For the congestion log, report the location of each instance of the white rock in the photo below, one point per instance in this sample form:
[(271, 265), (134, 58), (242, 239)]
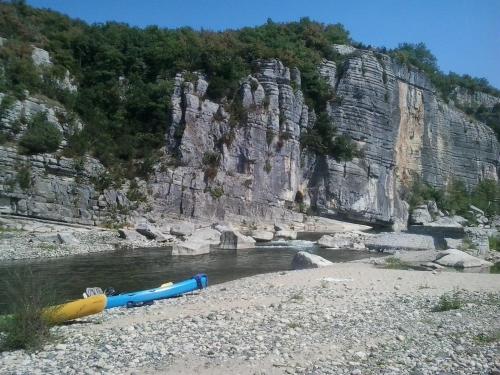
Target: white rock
[(334, 242), (262, 235), (67, 238), (234, 240), (182, 229), (209, 235), (191, 247), (459, 259), (303, 260), (286, 234), (130, 235)]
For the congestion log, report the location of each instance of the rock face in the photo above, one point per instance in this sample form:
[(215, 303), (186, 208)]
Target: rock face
[(246, 161), (61, 189), (459, 259), (394, 115), (304, 260)]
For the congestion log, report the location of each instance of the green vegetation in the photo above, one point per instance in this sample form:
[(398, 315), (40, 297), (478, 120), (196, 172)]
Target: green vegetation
[(488, 338), (216, 192), (41, 136), (494, 242), (418, 55), (448, 302), (396, 264), (456, 198), (323, 140), (23, 176), (268, 167), (489, 116), (25, 327)]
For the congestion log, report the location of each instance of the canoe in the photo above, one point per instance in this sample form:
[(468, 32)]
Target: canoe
[(76, 309), (162, 292)]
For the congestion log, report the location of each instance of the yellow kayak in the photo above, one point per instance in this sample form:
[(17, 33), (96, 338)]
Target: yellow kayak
[(76, 309)]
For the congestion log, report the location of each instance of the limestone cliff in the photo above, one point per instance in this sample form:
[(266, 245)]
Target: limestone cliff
[(237, 160)]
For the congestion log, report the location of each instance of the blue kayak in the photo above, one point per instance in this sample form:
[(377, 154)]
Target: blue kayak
[(174, 290)]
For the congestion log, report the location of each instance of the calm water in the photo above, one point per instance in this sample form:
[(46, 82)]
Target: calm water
[(130, 270)]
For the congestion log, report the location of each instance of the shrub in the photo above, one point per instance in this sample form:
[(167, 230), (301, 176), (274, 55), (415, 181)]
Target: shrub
[(494, 243), (216, 192), (102, 181), (448, 302), (23, 176), (26, 327), (268, 166), (41, 136), (269, 136)]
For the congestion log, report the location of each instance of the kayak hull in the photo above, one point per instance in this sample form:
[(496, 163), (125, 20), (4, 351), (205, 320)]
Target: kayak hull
[(163, 292), (76, 309)]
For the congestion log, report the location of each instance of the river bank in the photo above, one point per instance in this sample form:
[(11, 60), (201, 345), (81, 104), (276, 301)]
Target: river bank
[(343, 319)]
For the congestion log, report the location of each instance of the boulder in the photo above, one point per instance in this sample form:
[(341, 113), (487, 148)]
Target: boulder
[(420, 215), (67, 238), (453, 243), (280, 226), (209, 235), (182, 229), (286, 234), (234, 240), (303, 260), (479, 237), (459, 259), (131, 235), (222, 227), (433, 209), (334, 242), (262, 235), (403, 241), (191, 247), (151, 232), (52, 238)]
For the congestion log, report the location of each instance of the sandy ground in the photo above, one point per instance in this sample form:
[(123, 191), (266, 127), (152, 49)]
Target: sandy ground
[(349, 318)]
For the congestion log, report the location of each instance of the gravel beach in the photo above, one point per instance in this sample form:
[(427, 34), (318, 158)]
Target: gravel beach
[(343, 319)]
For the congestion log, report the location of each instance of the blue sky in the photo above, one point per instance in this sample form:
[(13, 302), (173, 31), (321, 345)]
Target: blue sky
[(463, 34)]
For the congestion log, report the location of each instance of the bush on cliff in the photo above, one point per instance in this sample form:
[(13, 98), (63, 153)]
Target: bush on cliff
[(40, 136), (323, 140)]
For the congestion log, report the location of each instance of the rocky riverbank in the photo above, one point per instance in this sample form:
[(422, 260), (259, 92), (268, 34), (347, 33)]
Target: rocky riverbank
[(22, 238), (341, 319)]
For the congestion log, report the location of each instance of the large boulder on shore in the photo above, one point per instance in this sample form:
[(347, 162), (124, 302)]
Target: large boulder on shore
[(420, 215), (304, 260), (459, 259), (262, 235), (208, 235), (234, 240), (191, 247)]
